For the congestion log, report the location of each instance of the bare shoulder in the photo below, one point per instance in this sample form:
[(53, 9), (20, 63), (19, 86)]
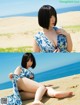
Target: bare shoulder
[(18, 67), (18, 70)]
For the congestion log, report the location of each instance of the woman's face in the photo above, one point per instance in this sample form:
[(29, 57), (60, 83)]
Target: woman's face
[(29, 64), (52, 22)]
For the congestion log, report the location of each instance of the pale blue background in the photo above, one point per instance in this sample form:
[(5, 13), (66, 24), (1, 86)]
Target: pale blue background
[(45, 62), (12, 7)]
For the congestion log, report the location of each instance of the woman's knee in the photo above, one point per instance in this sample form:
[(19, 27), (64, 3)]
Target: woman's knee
[(44, 88)]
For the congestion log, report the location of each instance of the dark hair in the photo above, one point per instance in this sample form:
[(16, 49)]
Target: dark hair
[(26, 57), (44, 15)]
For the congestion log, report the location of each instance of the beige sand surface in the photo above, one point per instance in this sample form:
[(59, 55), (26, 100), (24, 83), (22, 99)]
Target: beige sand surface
[(19, 31), (69, 18), (71, 83)]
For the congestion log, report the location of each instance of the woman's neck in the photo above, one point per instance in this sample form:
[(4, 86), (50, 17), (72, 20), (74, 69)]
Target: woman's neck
[(48, 30)]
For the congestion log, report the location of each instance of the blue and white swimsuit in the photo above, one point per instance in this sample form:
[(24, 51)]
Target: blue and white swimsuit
[(47, 46), (15, 98)]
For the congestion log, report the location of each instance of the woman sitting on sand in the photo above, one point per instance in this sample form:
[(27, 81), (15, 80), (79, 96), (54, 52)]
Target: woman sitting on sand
[(52, 39), (26, 88)]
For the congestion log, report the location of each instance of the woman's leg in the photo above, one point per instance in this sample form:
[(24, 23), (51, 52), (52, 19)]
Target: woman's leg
[(26, 95), (41, 90), (31, 86), (57, 94), (39, 97), (28, 85)]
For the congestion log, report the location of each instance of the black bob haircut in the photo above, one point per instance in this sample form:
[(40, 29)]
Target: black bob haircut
[(44, 15), (26, 57)]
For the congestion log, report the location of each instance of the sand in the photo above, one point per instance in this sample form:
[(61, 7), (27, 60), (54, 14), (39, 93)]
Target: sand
[(19, 31), (70, 83)]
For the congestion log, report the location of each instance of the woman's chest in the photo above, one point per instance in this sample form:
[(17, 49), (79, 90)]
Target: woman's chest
[(52, 37)]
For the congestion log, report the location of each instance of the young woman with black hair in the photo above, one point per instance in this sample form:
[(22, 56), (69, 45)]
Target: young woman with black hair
[(26, 88), (52, 39)]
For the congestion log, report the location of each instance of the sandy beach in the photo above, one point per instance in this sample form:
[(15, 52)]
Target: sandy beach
[(70, 83), (19, 31)]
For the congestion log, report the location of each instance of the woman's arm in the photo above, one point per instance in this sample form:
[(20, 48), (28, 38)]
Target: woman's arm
[(68, 37), (36, 47), (69, 42), (17, 71)]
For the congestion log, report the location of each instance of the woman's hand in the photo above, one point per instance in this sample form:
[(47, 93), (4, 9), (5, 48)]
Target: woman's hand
[(11, 76), (68, 37), (62, 31), (31, 77), (56, 50)]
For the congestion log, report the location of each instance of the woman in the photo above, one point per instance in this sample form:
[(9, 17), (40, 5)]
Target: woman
[(27, 88), (52, 39)]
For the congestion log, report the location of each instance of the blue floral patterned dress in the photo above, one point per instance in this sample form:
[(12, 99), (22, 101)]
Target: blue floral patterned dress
[(47, 46), (15, 98)]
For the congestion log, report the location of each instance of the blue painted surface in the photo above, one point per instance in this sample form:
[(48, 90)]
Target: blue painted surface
[(49, 66)]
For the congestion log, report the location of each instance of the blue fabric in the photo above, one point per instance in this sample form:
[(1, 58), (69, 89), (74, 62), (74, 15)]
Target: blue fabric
[(47, 46), (15, 98), (26, 73)]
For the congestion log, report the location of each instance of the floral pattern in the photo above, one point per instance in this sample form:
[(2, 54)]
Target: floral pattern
[(15, 98), (47, 46)]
